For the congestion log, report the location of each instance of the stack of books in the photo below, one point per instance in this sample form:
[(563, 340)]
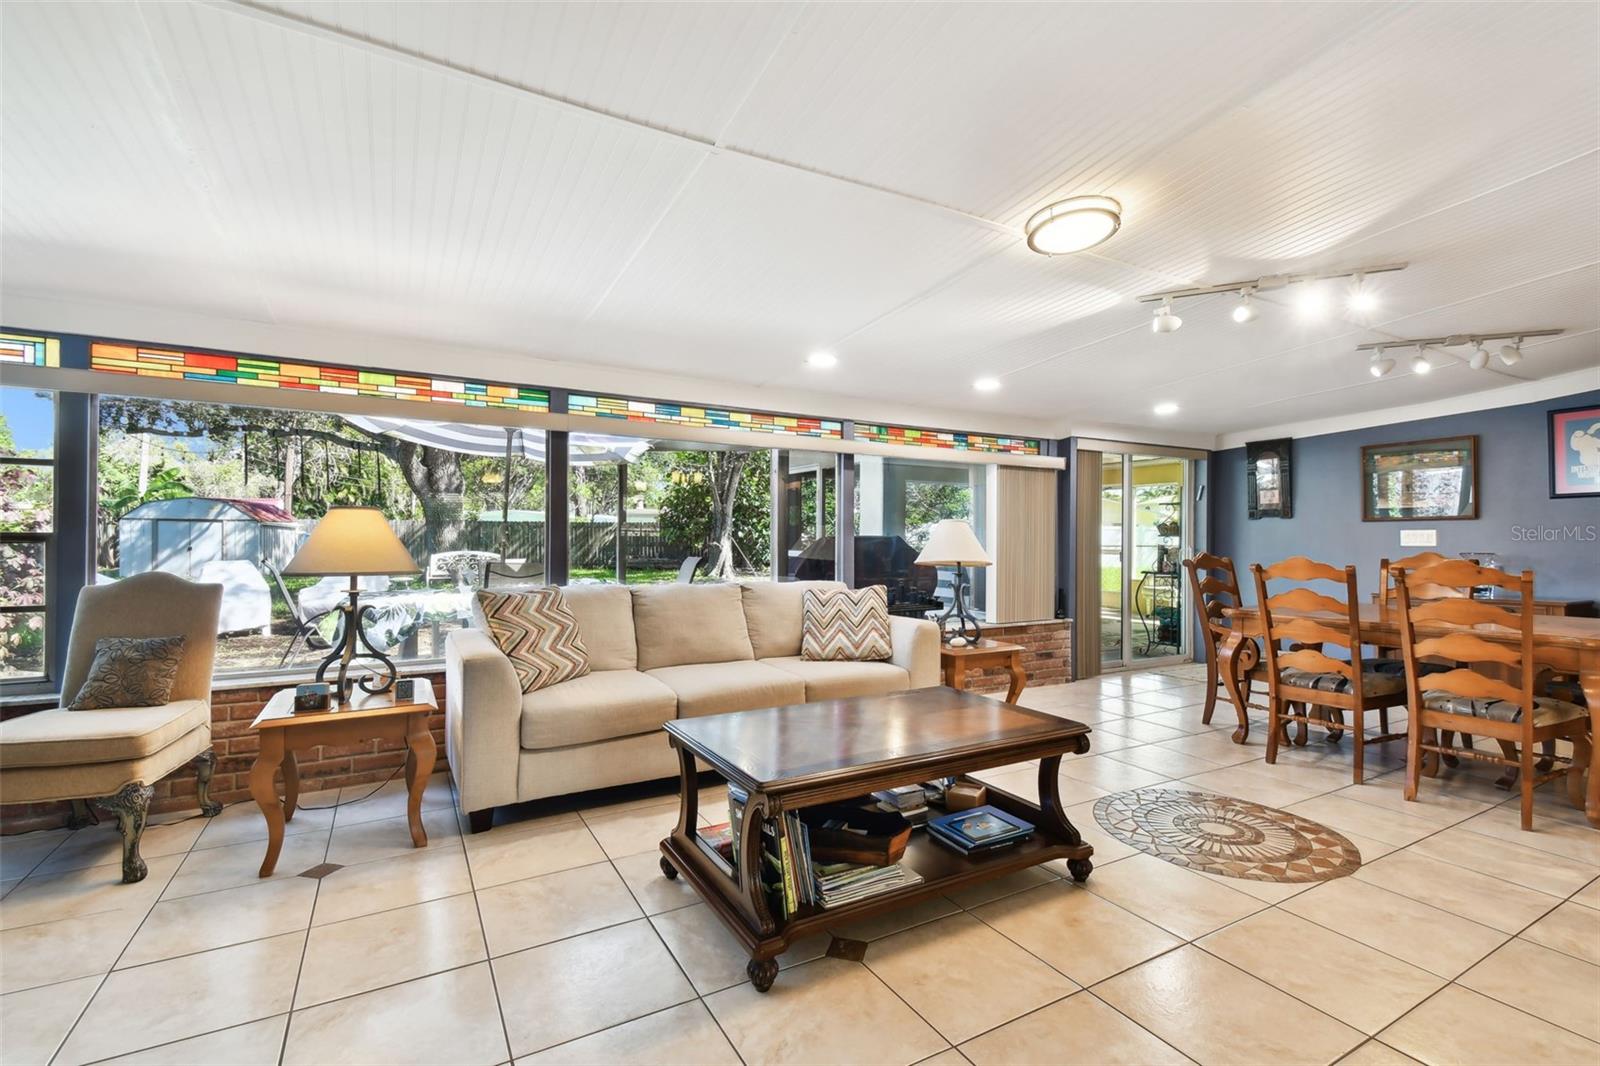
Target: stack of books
[(844, 882), (979, 830), (857, 856), (909, 801)]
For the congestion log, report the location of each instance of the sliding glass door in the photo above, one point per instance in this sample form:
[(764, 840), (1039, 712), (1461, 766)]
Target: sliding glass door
[(1146, 504)]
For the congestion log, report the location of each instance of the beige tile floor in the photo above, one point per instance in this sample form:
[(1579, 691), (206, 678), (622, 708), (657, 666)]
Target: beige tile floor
[(555, 939)]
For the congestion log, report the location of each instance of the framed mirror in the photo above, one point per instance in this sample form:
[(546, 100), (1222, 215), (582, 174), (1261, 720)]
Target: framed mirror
[(1268, 475), (1436, 480)]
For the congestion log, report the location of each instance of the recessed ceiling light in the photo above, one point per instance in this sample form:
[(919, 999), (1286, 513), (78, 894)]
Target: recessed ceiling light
[(1165, 408), (1165, 321), (822, 360), (1073, 225), (987, 384), (1244, 312)]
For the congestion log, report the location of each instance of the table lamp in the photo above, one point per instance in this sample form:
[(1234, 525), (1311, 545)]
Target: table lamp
[(356, 541), (953, 543)]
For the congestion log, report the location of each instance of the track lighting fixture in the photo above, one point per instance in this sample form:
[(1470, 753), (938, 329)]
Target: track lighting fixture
[(1244, 312), (1362, 299), (1510, 354), (1165, 321)]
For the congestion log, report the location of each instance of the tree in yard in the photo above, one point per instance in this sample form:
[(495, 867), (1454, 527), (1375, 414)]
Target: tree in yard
[(719, 499)]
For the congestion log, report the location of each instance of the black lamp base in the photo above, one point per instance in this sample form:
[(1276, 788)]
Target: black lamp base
[(966, 627), (352, 639)]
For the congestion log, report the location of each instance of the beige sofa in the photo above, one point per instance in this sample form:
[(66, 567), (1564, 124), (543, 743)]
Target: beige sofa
[(656, 652)]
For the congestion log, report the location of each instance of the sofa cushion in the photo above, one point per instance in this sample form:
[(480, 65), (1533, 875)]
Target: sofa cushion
[(69, 738), (605, 622), (130, 672), (836, 680), (538, 634), (682, 624), (597, 706), (772, 611), (846, 624), (716, 688)]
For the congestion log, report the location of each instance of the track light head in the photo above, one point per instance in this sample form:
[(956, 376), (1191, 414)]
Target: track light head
[(1511, 354), (1245, 311), (1381, 364), (1419, 362), (1480, 357), (1165, 321), (1362, 299)]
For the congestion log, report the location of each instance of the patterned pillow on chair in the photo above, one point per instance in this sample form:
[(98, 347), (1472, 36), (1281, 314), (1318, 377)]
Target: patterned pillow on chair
[(130, 672), (538, 633), (846, 624)]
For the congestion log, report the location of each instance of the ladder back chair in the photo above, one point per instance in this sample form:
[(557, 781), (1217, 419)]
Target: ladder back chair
[(1214, 594), (1297, 624), (1482, 701)]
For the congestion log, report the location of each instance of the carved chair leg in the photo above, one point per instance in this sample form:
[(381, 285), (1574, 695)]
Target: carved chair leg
[(1508, 779), (1575, 772), (82, 815), (1547, 756), (131, 805), (204, 765)]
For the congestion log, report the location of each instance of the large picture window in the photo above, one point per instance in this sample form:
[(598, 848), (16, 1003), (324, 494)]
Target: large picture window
[(897, 503), (227, 493), (27, 530)]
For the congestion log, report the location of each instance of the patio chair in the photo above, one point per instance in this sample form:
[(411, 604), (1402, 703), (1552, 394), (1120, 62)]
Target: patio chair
[(112, 757), (305, 624), (465, 568), (686, 570), (501, 574)]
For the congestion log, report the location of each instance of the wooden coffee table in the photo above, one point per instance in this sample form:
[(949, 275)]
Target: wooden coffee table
[(792, 757), (367, 717)]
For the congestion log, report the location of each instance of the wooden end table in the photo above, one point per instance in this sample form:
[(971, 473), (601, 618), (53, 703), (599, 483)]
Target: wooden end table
[(787, 758), (955, 663), (365, 717)]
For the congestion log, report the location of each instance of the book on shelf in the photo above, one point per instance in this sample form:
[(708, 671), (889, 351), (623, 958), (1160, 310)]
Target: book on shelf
[(980, 829), (719, 844), (799, 874)]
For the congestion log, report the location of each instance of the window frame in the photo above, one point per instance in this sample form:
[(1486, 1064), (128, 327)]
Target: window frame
[(54, 656)]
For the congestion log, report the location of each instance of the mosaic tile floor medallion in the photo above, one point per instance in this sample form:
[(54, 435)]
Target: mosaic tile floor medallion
[(1222, 835)]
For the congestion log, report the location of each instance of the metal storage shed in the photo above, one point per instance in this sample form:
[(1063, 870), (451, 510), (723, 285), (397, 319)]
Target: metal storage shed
[(181, 536)]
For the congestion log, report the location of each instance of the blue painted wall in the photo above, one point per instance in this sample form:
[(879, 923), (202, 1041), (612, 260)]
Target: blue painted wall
[(1514, 501)]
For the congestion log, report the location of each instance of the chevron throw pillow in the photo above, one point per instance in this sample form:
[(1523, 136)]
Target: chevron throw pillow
[(538, 633), (846, 624)]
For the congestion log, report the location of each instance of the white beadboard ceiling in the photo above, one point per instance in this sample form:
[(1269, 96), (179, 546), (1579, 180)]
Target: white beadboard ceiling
[(695, 196)]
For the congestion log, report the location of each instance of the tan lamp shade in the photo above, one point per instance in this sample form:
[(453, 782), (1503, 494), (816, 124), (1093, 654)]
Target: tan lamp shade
[(351, 540), (953, 543)]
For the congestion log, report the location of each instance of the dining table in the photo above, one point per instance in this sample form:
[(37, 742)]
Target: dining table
[(1566, 645)]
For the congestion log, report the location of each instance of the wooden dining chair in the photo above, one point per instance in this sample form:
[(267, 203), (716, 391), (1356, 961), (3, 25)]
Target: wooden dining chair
[(1214, 594), (1300, 675), (1472, 701)]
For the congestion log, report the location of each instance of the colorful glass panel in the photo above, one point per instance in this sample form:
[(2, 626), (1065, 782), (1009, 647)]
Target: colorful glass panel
[(313, 377), (701, 417), (29, 351), (939, 438)]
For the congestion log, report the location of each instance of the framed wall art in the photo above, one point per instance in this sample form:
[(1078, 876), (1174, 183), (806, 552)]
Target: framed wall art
[(1435, 480), (1269, 478), (1575, 452)]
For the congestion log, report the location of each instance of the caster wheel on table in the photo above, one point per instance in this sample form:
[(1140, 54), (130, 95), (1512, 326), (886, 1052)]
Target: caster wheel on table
[(1080, 869), (669, 871), (762, 973)]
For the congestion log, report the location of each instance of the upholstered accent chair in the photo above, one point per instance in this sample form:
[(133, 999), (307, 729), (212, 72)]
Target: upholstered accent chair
[(113, 756)]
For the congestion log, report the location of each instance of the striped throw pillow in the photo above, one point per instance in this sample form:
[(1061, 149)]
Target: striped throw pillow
[(538, 633), (846, 624)]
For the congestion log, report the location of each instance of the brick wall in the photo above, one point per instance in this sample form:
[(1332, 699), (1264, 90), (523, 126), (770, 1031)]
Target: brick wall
[(232, 711), (1046, 655)]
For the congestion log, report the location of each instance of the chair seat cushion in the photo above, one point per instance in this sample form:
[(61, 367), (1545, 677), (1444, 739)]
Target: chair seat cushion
[(59, 737), (827, 680), (1373, 683), (1398, 667), (597, 706), (716, 688), (1546, 709)]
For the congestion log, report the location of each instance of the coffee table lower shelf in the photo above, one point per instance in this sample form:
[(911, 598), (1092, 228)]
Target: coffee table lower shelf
[(743, 910)]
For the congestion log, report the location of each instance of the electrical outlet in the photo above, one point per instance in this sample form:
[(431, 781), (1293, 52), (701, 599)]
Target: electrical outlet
[(1419, 538)]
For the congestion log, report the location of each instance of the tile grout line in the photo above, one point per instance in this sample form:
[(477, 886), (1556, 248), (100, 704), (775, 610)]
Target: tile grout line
[(477, 904)]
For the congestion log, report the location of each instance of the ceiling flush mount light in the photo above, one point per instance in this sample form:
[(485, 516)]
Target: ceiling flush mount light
[(822, 360), (1477, 359), (1165, 321), (1244, 312), (1073, 225), (987, 384), (1165, 408)]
